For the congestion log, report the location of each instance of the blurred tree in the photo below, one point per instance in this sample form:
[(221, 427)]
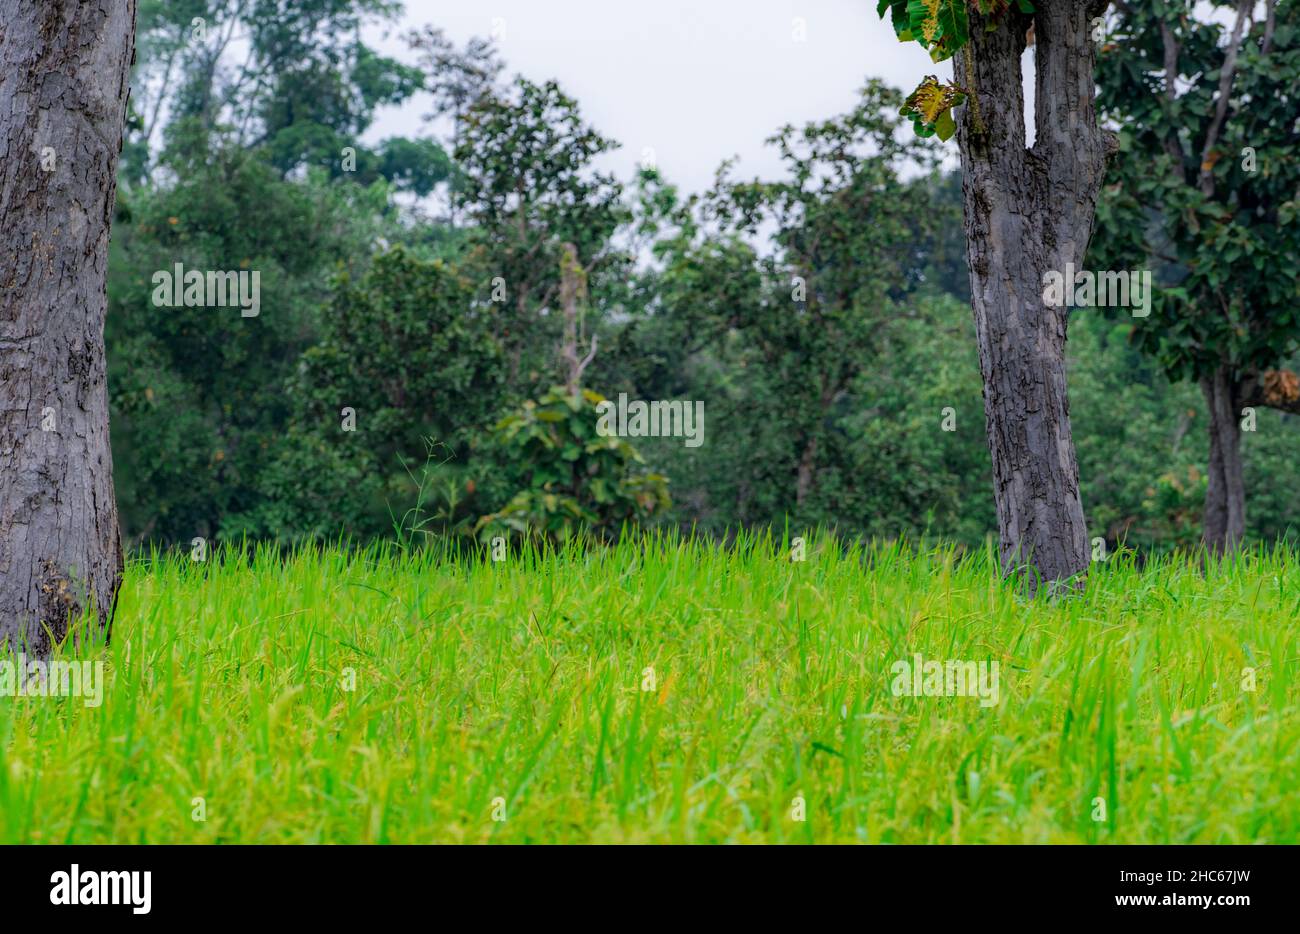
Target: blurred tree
[(529, 186), (405, 373), (456, 79), (198, 392), (782, 343), (840, 222), (1208, 191), (289, 77), (245, 155)]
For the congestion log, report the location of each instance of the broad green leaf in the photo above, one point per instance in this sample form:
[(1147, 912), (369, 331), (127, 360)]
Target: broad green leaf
[(945, 126)]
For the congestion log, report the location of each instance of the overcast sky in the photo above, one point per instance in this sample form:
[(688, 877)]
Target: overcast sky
[(696, 81)]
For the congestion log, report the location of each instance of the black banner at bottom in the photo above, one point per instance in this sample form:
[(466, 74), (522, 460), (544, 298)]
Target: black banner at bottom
[(138, 885)]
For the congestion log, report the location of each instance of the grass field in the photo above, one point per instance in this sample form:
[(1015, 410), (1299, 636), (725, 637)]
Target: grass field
[(511, 702)]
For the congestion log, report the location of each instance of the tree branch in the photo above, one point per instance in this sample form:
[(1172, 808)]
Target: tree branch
[(1225, 91), (1269, 23), (1273, 389), (1171, 143)]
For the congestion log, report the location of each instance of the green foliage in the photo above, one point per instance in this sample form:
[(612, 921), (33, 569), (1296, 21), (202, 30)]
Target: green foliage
[(304, 89), (1142, 447), (408, 349), (930, 107), (788, 345), (1139, 441), (1225, 258), (244, 154), (527, 185), (815, 312), (942, 28), (570, 477), (197, 395)]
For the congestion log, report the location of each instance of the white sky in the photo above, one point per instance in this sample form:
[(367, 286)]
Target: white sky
[(697, 81)]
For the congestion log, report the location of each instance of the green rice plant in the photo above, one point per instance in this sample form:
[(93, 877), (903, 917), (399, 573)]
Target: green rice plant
[(665, 689)]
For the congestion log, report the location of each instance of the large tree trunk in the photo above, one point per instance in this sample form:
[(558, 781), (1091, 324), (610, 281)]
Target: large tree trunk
[(1225, 493), (64, 67), (1027, 212)]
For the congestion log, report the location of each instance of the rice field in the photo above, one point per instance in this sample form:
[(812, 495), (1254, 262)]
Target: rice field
[(669, 690)]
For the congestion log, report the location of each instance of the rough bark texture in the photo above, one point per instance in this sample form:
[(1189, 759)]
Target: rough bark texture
[(1028, 211), (64, 67), (1225, 491)]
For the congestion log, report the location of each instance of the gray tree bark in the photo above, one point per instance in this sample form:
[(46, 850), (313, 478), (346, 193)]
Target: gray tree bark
[(1028, 211), (1225, 491), (1227, 395), (64, 70)]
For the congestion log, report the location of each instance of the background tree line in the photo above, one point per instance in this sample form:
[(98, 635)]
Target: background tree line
[(439, 287)]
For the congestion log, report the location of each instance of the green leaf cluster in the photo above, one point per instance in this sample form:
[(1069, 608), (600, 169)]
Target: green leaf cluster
[(942, 27), (572, 479)]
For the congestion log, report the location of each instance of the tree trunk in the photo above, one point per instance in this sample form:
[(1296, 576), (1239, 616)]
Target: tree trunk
[(1225, 493), (64, 69), (1227, 395), (804, 477), (1027, 212), (573, 289)]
